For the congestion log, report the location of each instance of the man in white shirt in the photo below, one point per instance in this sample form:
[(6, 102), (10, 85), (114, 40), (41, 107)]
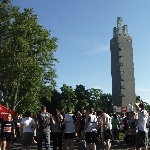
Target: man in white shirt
[(142, 134)]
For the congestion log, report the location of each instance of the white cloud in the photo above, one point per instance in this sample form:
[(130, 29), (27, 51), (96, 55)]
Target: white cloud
[(99, 49), (143, 90)]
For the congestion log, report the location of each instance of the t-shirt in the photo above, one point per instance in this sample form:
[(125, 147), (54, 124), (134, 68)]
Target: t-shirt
[(92, 123), (115, 122), (7, 127), (108, 122), (28, 123), (132, 123), (56, 127), (44, 119), (1, 121), (142, 120), (82, 122)]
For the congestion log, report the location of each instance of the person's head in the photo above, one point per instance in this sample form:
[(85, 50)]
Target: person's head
[(142, 106), (104, 110), (91, 111), (9, 116), (133, 114), (27, 113), (127, 114), (57, 112), (115, 116), (43, 108), (83, 112), (69, 110), (99, 113)]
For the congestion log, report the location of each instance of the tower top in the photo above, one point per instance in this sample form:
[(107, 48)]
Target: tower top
[(120, 29)]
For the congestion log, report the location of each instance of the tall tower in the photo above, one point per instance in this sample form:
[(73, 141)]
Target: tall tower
[(122, 67)]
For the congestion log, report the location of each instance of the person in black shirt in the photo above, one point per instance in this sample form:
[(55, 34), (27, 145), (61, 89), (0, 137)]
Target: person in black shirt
[(43, 122), (7, 132), (1, 121)]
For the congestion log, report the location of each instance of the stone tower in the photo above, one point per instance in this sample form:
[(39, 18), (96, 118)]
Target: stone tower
[(122, 66)]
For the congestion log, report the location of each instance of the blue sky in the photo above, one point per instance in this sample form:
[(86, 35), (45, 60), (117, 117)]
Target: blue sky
[(84, 29)]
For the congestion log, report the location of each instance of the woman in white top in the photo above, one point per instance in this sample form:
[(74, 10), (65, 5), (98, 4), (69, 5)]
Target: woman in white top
[(27, 127)]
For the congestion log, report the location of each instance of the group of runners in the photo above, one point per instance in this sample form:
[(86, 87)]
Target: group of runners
[(89, 128)]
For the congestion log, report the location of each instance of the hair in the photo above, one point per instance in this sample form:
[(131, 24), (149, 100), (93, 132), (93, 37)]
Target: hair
[(27, 113), (91, 110), (99, 113), (69, 109), (127, 114), (43, 107), (115, 116), (55, 113), (141, 105), (104, 109)]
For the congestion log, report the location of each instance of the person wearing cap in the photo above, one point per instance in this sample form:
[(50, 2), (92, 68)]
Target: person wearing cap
[(142, 134)]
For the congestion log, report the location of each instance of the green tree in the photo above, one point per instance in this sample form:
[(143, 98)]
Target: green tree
[(26, 58), (95, 98), (82, 96), (68, 97)]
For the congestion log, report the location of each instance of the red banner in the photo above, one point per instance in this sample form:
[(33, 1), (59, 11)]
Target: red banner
[(124, 109), (4, 111)]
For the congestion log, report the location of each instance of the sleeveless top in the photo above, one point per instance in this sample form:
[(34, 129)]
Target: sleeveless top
[(69, 121), (92, 123)]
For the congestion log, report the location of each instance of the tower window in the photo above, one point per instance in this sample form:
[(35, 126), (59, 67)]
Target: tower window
[(120, 64), (119, 42), (121, 87), (121, 79), (120, 72), (119, 57), (122, 95)]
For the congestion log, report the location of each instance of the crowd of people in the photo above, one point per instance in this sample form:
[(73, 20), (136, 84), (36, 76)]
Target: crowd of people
[(89, 128)]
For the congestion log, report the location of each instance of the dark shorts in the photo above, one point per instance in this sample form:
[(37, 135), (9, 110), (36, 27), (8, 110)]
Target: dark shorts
[(132, 140), (27, 138), (107, 134), (7, 137), (69, 135), (91, 137), (141, 139)]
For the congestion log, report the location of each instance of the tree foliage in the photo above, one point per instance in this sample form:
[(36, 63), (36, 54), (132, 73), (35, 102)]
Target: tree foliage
[(79, 98), (26, 58)]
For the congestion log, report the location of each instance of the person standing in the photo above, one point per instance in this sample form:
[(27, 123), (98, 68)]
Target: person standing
[(91, 130), (57, 130), (142, 134), (7, 132), (115, 127), (1, 121), (107, 127), (27, 126), (69, 131), (132, 123), (43, 122)]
